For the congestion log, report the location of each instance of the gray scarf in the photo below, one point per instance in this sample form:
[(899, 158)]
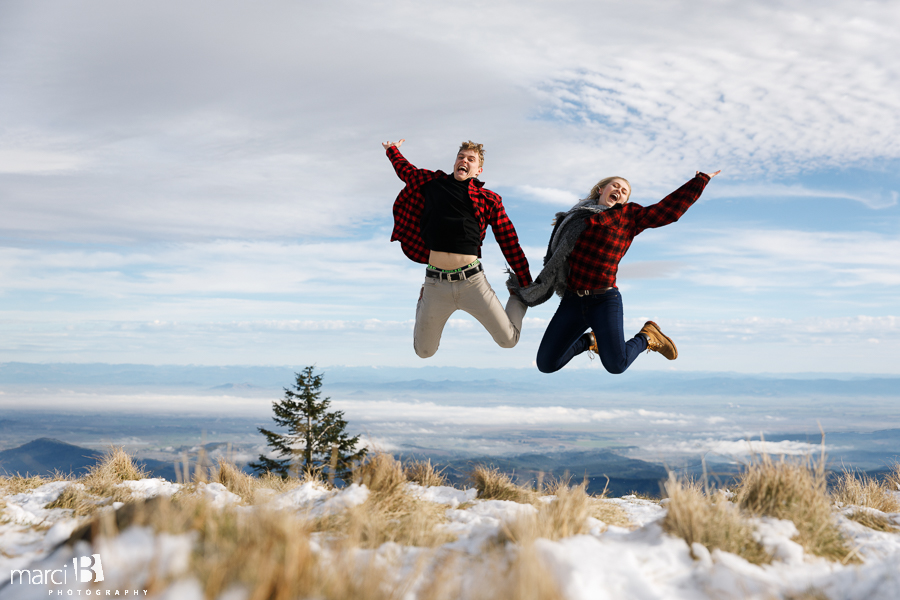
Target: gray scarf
[(569, 226)]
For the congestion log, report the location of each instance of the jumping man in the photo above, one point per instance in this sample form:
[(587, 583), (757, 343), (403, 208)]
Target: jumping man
[(440, 221)]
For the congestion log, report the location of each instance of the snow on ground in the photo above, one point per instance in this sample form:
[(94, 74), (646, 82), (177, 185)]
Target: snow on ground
[(642, 563)]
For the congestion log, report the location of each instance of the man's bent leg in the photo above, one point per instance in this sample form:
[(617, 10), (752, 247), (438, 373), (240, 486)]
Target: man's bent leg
[(477, 298), (436, 304)]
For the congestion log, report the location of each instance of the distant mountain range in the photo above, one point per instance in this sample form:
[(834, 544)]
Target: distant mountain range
[(47, 456), (601, 469), (236, 378)]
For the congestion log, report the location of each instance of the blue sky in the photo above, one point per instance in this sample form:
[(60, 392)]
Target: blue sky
[(203, 182)]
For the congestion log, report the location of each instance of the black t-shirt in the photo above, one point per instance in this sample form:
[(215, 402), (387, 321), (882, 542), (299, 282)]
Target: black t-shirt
[(448, 218)]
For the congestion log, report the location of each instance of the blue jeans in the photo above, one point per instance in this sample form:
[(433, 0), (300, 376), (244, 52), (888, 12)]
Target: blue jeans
[(565, 336)]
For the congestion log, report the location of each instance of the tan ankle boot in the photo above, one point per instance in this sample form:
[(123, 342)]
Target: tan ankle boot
[(658, 341), (593, 347)]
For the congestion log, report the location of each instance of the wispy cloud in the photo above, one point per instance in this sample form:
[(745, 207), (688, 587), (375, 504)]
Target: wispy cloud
[(757, 258), (874, 198), (244, 134)]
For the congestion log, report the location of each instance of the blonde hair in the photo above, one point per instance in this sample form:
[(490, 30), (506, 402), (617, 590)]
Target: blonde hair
[(594, 194), (470, 145), (595, 191)]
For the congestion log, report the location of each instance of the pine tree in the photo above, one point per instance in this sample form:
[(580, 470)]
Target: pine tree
[(316, 441)]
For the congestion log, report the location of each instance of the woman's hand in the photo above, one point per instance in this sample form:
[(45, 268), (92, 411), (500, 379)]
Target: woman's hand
[(710, 175), (389, 144)]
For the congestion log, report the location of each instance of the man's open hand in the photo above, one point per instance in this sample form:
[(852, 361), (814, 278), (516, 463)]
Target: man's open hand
[(389, 144)]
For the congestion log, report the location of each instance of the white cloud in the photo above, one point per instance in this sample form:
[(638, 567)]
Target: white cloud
[(243, 133), (535, 416), (217, 266), (752, 258), (561, 198), (27, 160), (738, 449)]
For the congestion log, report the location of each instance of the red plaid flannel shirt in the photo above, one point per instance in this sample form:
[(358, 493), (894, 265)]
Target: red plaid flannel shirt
[(488, 211), (594, 260)]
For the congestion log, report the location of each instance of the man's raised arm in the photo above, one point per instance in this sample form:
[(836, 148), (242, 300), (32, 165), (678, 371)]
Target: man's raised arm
[(405, 171)]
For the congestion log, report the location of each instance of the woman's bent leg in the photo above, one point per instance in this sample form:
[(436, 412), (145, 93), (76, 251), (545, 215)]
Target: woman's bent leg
[(564, 338), (604, 314)]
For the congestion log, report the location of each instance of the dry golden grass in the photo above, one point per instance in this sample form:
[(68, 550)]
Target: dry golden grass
[(100, 486), (381, 473), (795, 491), (236, 481), (116, 467), (809, 594), (390, 514), (875, 521), (610, 513), (858, 489), (266, 552), (18, 484), (423, 473), (645, 496), (77, 499), (494, 485), (564, 516), (893, 478), (711, 520)]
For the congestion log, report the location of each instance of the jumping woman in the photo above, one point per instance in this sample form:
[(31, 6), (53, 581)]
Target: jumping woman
[(581, 263)]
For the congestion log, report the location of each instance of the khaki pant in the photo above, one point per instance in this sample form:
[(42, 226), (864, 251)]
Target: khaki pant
[(440, 298)]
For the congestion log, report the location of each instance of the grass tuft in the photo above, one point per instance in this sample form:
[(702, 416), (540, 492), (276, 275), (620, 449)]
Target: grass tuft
[(876, 521), (101, 486), (563, 516), (711, 520), (382, 474), (795, 491), (18, 484), (265, 552), (116, 467), (424, 473), (610, 513), (893, 478), (236, 481), (390, 514), (858, 489), (494, 485)]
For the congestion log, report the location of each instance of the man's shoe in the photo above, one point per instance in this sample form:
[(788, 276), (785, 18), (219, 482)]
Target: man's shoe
[(658, 341)]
